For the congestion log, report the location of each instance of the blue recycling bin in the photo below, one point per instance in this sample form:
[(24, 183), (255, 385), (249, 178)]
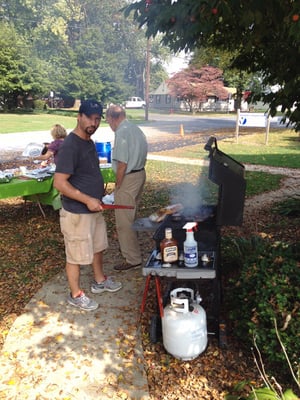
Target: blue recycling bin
[(104, 150)]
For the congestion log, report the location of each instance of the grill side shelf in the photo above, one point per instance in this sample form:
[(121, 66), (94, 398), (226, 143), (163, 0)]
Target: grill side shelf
[(205, 270)]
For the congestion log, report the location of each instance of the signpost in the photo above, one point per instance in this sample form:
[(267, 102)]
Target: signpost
[(258, 120)]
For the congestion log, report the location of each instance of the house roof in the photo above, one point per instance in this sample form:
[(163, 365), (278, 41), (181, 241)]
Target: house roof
[(162, 89)]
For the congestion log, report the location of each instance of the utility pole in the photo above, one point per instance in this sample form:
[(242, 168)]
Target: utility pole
[(147, 79)]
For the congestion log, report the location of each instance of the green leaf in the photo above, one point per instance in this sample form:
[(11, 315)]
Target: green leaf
[(289, 395), (264, 394)]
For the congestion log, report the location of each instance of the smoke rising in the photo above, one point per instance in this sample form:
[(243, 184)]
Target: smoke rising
[(193, 197)]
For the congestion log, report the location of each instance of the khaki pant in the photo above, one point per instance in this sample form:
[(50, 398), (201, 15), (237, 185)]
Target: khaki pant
[(129, 194), (84, 236)]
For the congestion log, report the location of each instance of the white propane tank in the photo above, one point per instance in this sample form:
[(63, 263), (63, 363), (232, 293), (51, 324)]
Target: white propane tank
[(184, 327)]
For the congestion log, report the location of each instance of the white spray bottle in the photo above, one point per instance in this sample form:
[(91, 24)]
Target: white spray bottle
[(190, 246)]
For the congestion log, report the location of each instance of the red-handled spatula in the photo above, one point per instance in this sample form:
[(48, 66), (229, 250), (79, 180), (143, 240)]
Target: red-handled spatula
[(116, 206)]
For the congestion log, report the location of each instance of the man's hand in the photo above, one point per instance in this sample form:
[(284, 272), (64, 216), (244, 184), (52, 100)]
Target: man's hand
[(94, 205), (62, 184)]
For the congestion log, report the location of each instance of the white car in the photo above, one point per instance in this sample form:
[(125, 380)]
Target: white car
[(135, 102)]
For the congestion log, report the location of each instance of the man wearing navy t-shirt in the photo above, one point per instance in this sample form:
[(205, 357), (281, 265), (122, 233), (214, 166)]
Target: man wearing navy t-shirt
[(79, 180)]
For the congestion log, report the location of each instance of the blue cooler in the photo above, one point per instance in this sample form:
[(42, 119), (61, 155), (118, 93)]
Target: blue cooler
[(104, 150)]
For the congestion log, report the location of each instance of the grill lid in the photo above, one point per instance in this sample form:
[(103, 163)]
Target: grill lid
[(228, 174)]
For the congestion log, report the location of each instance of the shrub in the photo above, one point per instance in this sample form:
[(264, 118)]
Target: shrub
[(39, 104), (271, 390), (266, 288), (290, 207)]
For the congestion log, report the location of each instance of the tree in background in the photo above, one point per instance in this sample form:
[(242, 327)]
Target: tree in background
[(194, 86), (263, 36), (242, 81), (73, 48), (22, 73)]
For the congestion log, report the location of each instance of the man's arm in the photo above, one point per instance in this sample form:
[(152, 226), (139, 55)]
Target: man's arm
[(121, 169)]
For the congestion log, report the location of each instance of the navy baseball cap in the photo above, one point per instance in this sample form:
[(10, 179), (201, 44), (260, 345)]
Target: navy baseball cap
[(89, 107)]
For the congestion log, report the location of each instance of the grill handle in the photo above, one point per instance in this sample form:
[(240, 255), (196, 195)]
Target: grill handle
[(211, 141)]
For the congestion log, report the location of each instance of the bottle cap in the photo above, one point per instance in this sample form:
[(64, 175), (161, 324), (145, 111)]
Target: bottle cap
[(189, 226), (168, 233)]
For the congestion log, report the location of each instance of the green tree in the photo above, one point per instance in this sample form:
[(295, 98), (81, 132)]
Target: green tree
[(77, 48), (21, 72), (265, 35), (158, 54)]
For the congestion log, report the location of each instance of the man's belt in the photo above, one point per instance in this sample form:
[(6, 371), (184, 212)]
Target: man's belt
[(135, 170)]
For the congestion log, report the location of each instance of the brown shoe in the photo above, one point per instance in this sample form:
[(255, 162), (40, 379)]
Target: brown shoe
[(125, 266)]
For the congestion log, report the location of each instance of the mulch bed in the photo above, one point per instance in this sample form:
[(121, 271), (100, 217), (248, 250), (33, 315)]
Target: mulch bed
[(209, 376)]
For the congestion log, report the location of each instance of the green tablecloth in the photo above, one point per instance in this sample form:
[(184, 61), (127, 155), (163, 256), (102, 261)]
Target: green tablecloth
[(24, 187), (42, 192), (51, 198), (30, 189), (108, 174)]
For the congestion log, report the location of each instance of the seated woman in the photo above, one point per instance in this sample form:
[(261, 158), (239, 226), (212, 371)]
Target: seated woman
[(49, 153)]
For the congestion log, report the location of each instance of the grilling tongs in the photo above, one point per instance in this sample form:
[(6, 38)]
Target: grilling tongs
[(116, 206)]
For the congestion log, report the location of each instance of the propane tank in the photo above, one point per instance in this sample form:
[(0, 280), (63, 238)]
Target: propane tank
[(184, 327), (190, 246)]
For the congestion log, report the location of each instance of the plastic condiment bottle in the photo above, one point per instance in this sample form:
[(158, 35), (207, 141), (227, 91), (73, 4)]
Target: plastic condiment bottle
[(169, 248), (190, 246)]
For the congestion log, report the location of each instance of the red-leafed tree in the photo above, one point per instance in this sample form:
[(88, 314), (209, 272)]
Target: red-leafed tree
[(194, 85)]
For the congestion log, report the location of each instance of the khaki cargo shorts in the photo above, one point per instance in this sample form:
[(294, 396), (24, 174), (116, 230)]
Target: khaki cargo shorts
[(84, 235)]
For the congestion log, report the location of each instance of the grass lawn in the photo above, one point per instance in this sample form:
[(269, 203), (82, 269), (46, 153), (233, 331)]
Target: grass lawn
[(167, 182), (11, 123), (43, 121), (283, 149)]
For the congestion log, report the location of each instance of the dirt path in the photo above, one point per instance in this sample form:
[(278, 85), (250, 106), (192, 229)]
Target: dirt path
[(290, 187)]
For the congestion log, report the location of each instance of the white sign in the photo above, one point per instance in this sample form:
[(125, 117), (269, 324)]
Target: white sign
[(253, 120)]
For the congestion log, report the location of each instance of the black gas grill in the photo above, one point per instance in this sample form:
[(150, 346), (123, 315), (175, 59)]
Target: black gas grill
[(229, 175), (224, 207)]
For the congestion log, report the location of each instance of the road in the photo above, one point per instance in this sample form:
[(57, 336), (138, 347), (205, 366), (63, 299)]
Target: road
[(171, 123), (161, 130)]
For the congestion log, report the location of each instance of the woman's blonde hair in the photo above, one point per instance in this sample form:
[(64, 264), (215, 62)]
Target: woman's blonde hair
[(58, 132)]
